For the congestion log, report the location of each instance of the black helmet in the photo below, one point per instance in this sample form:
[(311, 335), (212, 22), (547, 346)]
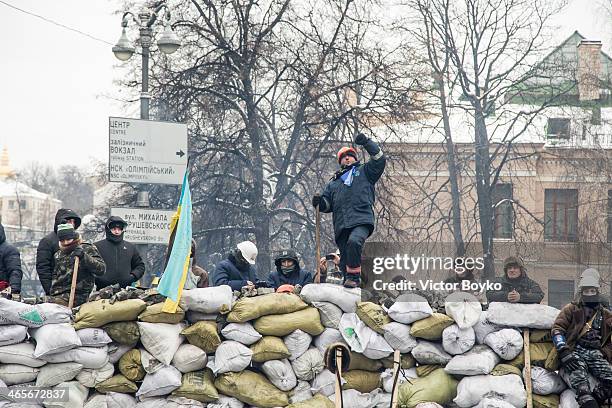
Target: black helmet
[(286, 254)]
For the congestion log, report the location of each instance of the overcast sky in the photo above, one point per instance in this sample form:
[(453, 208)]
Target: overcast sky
[(57, 85)]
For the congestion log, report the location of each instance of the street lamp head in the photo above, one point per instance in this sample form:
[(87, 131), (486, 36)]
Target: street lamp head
[(123, 50), (168, 42)]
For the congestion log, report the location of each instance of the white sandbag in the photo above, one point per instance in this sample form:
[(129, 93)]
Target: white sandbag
[(308, 365), (479, 360), (297, 343), (12, 334), (32, 316), (300, 393), (377, 347), (398, 336), (189, 358), (149, 363), (464, 308), (54, 338), (345, 299), (545, 382), (404, 375), (119, 400), (161, 339), (77, 395), (507, 343), (22, 353), (214, 299), (508, 387), (96, 401), (568, 399), (53, 374), (409, 308), (231, 356), (329, 336), (12, 374), (456, 340), (384, 401), (182, 402), (493, 403), (484, 327), (90, 377), (242, 333), (355, 399), (226, 402), (427, 352), (355, 332), (157, 402), (88, 357), (162, 382), (93, 337), (116, 351), (330, 314), (534, 316), (280, 373), (324, 383)]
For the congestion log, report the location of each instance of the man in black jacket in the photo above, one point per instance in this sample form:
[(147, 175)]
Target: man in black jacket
[(238, 269), (123, 262), (288, 271), (516, 286), (349, 196), (10, 267), (49, 245)]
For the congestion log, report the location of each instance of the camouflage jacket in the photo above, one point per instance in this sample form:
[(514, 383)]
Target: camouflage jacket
[(90, 265)]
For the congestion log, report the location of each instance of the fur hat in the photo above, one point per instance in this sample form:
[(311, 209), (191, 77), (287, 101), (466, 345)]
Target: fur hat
[(513, 261)]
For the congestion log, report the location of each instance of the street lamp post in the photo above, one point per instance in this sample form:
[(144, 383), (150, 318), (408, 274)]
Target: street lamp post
[(167, 43)]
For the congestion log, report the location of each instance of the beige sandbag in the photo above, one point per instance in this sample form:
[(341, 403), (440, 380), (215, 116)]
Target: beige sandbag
[(545, 401), (117, 383), (552, 360), (505, 369), (154, 314), (204, 335), (373, 316), (306, 320), (100, 312), (431, 328), (361, 362), (269, 348), (126, 333), (540, 336), (406, 361), (362, 381), (318, 401), (539, 354), (130, 365), (438, 387), (252, 388), (199, 386), (250, 308), (425, 370)]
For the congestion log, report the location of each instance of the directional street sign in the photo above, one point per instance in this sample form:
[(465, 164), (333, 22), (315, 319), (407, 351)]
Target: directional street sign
[(146, 151), (145, 226)]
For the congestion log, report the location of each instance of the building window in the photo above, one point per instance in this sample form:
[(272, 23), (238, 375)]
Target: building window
[(558, 128), (22, 204), (11, 205), (561, 215), (504, 215), (560, 292)]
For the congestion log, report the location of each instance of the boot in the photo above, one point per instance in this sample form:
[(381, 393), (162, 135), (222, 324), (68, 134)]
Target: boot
[(602, 393), (586, 400)]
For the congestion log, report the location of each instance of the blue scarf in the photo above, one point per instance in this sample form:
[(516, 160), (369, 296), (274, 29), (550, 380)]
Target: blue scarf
[(347, 177)]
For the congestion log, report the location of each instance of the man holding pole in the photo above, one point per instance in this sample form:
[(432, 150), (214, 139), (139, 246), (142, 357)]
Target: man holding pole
[(349, 196)]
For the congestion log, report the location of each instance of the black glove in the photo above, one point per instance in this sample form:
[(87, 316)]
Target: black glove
[(262, 284), (78, 252), (568, 359), (361, 139), (316, 200)]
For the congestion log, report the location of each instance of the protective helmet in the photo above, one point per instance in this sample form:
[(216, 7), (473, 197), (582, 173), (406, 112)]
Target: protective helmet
[(346, 151), (286, 254), (285, 289), (590, 278), (248, 251)]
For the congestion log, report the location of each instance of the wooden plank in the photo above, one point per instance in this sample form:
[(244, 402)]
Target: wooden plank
[(396, 368), (527, 375), (338, 377)]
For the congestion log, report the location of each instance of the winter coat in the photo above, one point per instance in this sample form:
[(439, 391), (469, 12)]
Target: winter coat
[(529, 289), (297, 277), (352, 205), (226, 273), (202, 274), (10, 263), (49, 245), (124, 264), (572, 319), (90, 266)]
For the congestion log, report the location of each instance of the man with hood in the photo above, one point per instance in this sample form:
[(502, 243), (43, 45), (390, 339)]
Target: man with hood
[(349, 196), (581, 334), (91, 265), (48, 246), (288, 271), (516, 286), (10, 268), (123, 262), (237, 270)]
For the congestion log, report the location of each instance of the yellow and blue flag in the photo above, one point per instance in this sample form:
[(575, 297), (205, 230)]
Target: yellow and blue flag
[(173, 280)]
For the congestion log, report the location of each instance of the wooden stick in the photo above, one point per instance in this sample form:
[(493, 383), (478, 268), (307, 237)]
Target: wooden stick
[(338, 377), (318, 243), (396, 368), (527, 375), (75, 272)]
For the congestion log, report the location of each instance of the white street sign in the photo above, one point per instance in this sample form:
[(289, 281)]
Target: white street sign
[(145, 226), (146, 151)]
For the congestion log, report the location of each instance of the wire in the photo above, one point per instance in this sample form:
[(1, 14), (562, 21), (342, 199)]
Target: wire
[(55, 23)]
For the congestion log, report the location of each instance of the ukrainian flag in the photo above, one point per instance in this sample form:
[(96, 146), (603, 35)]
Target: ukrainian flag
[(175, 274)]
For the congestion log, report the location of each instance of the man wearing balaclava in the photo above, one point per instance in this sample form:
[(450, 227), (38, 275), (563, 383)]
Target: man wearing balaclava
[(288, 271), (123, 262), (349, 196), (238, 269), (581, 334)]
